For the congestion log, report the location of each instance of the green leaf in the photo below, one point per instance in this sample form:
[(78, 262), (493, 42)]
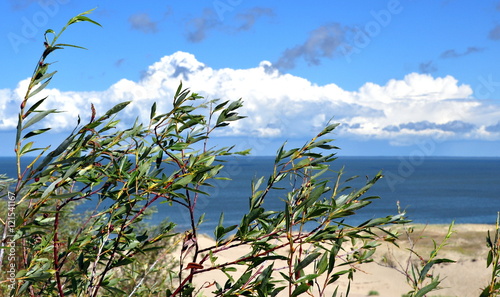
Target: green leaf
[(430, 287), (153, 111), (35, 106), (328, 129), (43, 77), (61, 45), (220, 106), (301, 164), (286, 277), (429, 265), (51, 188), (39, 116), (26, 148), (287, 217), (322, 264), (228, 114), (184, 180), (279, 154), (40, 88), (317, 192), (241, 281), (307, 260), (486, 292), (82, 18), (302, 288), (115, 109), (320, 143), (219, 230), (61, 148), (489, 259), (35, 132), (307, 277)]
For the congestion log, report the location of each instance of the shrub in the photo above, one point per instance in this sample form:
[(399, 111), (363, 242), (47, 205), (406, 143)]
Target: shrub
[(110, 252)]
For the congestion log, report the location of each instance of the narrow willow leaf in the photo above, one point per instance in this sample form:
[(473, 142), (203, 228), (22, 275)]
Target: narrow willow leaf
[(489, 259), (26, 148), (328, 129), (184, 180), (35, 106), (307, 277), (351, 178), (279, 154), (286, 277), (24, 287), (35, 132), (69, 172), (307, 260), (429, 265), (322, 265), (40, 88), (302, 163), (153, 111), (323, 159), (235, 105), (63, 146), (82, 18), (43, 77), (430, 287), (69, 45), (219, 230), (317, 192), (320, 143), (241, 281), (51, 188), (220, 106), (178, 91), (256, 184), (49, 31), (300, 289), (115, 109), (38, 117), (201, 219)]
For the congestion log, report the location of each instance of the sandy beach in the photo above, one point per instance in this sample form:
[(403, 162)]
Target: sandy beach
[(383, 277)]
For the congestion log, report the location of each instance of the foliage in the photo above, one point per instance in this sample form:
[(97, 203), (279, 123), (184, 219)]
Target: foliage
[(493, 260), (418, 272), (93, 162), (300, 249)]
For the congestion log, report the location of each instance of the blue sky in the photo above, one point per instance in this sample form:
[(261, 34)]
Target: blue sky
[(414, 77)]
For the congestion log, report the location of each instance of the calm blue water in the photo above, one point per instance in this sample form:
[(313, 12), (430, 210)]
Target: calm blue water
[(432, 190)]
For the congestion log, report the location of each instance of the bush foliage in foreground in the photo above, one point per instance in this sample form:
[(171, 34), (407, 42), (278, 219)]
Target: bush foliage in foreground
[(49, 250)]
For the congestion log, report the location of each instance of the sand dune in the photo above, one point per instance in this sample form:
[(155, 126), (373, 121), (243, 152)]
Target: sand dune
[(464, 278)]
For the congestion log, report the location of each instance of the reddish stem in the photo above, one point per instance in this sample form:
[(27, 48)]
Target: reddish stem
[(56, 257)]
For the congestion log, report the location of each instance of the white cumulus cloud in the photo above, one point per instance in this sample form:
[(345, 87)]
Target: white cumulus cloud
[(283, 105)]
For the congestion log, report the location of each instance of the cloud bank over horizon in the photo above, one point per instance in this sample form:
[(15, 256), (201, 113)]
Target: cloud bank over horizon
[(286, 106)]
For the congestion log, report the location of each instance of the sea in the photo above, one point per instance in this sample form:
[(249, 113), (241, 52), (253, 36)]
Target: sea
[(430, 190)]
